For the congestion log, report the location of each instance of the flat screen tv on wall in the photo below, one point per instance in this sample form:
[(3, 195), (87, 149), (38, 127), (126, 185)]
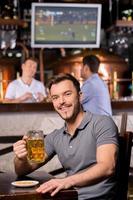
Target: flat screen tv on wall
[(66, 25)]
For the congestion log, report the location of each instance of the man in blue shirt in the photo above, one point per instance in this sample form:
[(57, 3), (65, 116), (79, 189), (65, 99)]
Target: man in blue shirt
[(96, 98)]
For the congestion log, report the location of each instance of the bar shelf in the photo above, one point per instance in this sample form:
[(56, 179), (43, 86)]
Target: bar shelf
[(124, 23), (14, 22)]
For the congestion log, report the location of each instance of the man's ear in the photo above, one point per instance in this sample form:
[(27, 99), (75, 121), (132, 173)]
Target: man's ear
[(86, 68), (80, 96)]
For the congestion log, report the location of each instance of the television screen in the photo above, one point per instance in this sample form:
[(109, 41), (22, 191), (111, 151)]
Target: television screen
[(65, 25)]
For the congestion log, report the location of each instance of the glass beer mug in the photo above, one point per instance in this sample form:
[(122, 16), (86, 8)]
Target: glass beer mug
[(35, 146)]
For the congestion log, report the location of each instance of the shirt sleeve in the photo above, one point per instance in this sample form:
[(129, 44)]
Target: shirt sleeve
[(49, 145), (10, 91), (106, 132)]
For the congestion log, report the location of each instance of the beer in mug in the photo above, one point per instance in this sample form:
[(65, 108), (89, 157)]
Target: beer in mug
[(35, 146)]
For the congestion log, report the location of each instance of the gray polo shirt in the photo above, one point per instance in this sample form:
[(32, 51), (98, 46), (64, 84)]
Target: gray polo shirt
[(78, 152)]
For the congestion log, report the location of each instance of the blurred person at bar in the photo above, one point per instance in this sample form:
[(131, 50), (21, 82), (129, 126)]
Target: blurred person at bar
[(86, 145), (26, 88), (96, 98)]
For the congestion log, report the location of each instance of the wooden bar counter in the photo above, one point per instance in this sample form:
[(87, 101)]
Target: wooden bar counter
[(41, 107), (119, 106), (10, 192), (26, 107)]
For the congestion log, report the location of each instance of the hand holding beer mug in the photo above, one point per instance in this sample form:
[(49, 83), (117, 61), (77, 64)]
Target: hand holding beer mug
[(35, 146)]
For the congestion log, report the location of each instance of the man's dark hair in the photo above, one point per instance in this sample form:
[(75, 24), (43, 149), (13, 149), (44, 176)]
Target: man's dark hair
[(92, 62), (62, 77), (32, 59)]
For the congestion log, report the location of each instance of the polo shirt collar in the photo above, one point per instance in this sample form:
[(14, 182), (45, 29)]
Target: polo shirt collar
[(22, 83), (86, 119)]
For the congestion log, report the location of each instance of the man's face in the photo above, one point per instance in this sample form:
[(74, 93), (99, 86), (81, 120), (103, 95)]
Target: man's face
[(66, 100), (29, 68)]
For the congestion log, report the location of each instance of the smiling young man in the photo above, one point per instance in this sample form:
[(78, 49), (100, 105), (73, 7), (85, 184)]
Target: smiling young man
[(86, 145)]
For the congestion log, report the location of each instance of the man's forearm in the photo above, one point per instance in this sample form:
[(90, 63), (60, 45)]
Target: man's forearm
[(17, 100), (91, 176), (23, 167)]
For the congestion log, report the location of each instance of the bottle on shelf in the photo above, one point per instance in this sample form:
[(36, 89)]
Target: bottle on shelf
[(15, 9), (7, 11), (10, 10)]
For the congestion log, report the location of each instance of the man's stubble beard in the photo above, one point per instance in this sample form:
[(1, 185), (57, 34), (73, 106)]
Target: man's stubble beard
[(77, 108)]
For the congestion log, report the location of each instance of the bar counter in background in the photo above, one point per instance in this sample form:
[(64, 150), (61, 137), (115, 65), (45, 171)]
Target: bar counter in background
[(122, 105), (26, 107), (118, 106)]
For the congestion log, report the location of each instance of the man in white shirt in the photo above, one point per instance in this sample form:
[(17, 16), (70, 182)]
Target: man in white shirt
[(26, 88)]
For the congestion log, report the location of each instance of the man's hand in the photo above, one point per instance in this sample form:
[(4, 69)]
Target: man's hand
[(19, 149), (25, 97), (22, 164), (55, 185), (40, 97)]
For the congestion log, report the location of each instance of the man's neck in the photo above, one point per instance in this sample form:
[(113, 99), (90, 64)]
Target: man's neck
[(73, 125), (26, 80), (89, 74)]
